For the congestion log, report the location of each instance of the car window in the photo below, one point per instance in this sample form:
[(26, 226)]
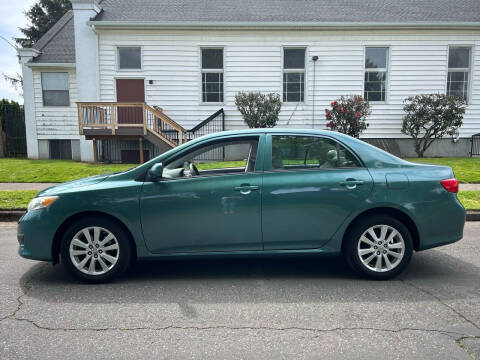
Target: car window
[(309, 152), (217, 158)]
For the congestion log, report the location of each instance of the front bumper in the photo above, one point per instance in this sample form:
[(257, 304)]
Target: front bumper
[(35, 233)]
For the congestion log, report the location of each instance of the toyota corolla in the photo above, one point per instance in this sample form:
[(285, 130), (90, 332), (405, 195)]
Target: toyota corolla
[(268, 192)]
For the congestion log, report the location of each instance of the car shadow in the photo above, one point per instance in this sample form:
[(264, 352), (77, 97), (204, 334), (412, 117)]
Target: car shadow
[(252, 280)]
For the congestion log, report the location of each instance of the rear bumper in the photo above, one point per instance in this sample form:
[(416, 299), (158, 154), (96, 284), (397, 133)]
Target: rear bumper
[(441, 225)]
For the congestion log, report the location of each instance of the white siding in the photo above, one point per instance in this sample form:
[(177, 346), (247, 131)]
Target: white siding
[(253, 61), (54, 122)]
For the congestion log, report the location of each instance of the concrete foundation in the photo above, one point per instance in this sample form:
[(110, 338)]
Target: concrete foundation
[(440, 148)]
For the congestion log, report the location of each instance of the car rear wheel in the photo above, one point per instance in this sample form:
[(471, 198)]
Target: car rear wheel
[(379, 247), (95, 250)]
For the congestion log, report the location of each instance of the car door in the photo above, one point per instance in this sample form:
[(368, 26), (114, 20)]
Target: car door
[(311, 185), (217, 210)]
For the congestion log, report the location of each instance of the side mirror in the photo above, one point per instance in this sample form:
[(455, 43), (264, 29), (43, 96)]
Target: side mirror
[(156, 171)]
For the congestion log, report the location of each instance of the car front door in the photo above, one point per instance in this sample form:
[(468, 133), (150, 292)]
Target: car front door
[(216, 209), (311, 185)]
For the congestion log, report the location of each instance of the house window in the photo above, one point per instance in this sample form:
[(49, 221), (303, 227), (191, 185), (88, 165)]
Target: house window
[(129, 58), (458, 71), (55, 89), (376, 73), (212, 75), (293, 75)]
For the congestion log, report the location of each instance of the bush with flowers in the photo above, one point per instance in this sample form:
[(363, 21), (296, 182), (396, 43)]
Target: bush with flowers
[(347, 115)]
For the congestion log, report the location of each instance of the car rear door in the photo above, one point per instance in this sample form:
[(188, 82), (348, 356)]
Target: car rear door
[(307, 191)]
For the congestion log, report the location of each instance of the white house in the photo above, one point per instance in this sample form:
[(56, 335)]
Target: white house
[(190, 58)]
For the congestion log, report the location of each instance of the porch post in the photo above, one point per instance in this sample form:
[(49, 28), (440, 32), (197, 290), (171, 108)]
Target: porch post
[(95, 152), (140, 145)]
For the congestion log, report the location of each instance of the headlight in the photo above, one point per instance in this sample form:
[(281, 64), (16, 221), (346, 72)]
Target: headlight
[(41, 202)]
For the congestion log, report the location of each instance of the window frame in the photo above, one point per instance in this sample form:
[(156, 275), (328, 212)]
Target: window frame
[(469, 70), (68, 88), (386, 70), (117, 57), (242, 138), (267, 162), (207, 71), (304, 71)]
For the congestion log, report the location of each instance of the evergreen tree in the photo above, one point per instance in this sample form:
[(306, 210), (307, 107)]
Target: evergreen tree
[(43, 15)]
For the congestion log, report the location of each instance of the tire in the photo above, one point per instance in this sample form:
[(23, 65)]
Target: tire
[(108, 249), (362, 253)]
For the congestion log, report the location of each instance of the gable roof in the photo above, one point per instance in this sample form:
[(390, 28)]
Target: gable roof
[(57, 45), (290, 11)]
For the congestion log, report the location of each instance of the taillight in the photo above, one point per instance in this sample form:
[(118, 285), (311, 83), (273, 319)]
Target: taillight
[(451, 185)]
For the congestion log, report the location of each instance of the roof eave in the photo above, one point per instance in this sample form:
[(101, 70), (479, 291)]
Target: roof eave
[(278, 25), (51, 65)]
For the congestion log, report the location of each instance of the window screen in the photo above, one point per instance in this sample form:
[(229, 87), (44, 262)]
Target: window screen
[(212, 75), (293, 75), (376, 71), (458, 71), (129, 58), (55, 89)]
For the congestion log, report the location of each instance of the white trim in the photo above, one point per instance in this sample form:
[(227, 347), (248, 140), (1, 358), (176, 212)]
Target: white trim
[(387, 70), (304, 70), (220, 71), (117, 58), (68, 89), (469, 69), (231, 25), (51, 65)]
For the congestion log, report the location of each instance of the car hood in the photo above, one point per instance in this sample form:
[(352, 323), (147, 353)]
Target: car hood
[(67, 186)]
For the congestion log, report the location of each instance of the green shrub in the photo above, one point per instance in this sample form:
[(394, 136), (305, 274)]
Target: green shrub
[(259, 110), (430, 117), (347, 115)]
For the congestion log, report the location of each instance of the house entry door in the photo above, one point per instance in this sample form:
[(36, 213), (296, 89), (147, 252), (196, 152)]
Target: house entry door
[(131, 91)]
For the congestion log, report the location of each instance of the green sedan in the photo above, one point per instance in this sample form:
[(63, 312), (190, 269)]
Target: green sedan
[(270, 192)]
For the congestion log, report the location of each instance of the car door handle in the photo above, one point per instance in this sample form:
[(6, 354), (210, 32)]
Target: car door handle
[(351, 183), (246, 189)]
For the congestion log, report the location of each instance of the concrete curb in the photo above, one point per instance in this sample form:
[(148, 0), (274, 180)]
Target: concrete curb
[(15, 215), (11, 215)]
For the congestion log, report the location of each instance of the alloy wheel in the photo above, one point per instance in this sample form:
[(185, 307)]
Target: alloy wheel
[(94, 250), (381, 248)]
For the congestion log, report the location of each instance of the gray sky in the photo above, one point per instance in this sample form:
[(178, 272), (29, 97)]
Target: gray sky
[(11, 18)]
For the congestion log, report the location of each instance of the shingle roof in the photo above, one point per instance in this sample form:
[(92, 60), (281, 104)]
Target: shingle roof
[(341, 11), (58, 43)]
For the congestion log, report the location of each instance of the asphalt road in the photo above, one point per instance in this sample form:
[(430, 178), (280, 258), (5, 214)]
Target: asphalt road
[(244, 309)]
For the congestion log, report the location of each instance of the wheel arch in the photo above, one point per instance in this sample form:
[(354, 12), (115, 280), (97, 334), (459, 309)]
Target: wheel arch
[(70, 220), (390, 211)]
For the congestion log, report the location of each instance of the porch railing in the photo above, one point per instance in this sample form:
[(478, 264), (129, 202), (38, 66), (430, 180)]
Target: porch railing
[(115, 116)]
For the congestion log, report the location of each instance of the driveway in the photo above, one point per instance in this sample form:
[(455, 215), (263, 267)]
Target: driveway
[(244, 309)]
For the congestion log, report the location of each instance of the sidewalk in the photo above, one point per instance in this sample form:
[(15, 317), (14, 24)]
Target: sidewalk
[(25, 186), (41, 186)]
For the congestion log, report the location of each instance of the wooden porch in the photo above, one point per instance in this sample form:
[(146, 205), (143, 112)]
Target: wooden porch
[(138, 121), (128, 121)]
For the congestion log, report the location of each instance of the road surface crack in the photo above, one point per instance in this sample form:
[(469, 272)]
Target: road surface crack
[(450, 307)]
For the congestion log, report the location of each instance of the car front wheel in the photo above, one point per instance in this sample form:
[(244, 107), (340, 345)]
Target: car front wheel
[(379, 247), (95, 250)]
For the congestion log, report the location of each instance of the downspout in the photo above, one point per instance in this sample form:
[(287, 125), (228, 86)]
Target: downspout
[(314, 59)]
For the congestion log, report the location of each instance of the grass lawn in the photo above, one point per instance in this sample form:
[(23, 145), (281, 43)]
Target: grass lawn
[(467, 170), (18, 199), (470, 199), (22, 170)]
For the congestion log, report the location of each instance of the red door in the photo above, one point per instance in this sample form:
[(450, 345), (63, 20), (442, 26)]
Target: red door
[(130, 90)]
